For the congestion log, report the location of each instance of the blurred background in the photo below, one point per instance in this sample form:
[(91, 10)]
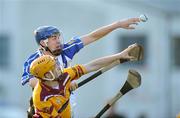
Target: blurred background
[(157, 97)]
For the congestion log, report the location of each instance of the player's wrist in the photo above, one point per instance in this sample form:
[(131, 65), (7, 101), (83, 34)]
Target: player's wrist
[(116, 25)]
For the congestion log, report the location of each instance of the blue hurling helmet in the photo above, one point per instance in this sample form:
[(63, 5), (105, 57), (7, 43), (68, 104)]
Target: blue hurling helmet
[(44, 32)]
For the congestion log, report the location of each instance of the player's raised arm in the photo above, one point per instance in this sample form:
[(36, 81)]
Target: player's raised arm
[(104, 61), (102, 31)]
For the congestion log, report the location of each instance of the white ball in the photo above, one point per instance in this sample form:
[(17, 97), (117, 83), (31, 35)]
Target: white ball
[(143, 18)]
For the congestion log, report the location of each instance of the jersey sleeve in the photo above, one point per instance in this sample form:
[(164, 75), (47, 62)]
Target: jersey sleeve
[(72, 47), (76, 72), (26, 76)]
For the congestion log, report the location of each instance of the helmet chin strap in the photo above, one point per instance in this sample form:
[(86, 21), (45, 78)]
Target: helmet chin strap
[(45, 48)]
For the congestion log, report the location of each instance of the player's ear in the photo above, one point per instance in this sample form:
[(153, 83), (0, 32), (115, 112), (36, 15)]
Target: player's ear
[(42, 43)]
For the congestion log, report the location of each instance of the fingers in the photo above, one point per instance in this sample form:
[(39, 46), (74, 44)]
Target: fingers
[(128, 23), (132, 45), (136, 51), (130, 57), (73, 86), (133, 52), (135, 19), (132, 25)]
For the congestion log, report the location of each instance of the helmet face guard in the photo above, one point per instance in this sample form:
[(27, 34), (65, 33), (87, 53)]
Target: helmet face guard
[(49, 76), (52, 74)]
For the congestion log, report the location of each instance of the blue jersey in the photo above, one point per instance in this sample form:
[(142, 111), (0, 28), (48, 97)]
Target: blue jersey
[(69, 50)]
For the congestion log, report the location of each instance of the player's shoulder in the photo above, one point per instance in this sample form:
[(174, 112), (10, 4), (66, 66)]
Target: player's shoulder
[(74, 41), (32, 57)]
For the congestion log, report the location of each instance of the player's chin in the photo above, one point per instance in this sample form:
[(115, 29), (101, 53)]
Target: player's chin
[(57, 52)]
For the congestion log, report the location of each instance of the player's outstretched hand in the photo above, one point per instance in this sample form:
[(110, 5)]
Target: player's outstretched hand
[(73, 86), (127, 23), (133, 53)]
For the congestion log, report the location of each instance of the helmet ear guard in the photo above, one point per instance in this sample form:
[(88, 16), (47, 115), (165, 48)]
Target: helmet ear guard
[(45, 48)]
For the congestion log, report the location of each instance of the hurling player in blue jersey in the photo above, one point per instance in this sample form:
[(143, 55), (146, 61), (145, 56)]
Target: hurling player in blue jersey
[(50, 42)]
